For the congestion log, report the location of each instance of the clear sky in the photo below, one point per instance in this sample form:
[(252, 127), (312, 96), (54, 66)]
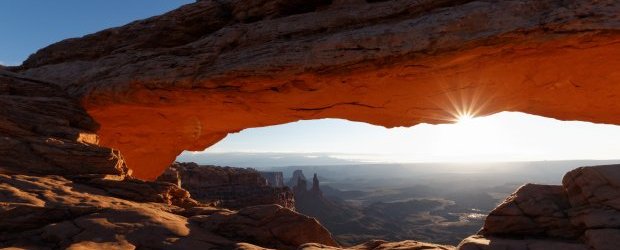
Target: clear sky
[(27, 25)]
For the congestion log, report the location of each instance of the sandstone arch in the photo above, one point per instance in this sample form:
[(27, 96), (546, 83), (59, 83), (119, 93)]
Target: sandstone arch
[(184, 80)]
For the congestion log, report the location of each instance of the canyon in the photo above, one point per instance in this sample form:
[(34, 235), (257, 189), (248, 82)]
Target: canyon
[(88, 124), (232, 188)]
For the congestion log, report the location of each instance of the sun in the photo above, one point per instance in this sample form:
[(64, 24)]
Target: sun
[(464, 118)]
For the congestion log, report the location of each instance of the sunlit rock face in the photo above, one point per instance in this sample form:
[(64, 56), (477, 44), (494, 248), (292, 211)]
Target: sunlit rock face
[(185, 79)]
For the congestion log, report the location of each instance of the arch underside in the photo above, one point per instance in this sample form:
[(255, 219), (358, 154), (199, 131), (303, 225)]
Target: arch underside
[(408, 62)]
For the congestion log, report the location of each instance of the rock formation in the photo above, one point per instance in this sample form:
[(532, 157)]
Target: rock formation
[(311, 201), (297, 176), (301, 188), (228, 187), (215, 67), (316, 189), (583, 213), (44, 131), (274, 179), (60, 190)]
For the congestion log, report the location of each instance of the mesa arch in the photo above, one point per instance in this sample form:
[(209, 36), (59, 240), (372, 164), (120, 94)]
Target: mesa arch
[(185, 79)]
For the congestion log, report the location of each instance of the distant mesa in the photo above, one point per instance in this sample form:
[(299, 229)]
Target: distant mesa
[(297, 176), (229, 187), (274, 179)]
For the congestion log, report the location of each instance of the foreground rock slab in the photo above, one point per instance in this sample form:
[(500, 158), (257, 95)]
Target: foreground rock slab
[(383, 245), (493, 243), (49, 212)]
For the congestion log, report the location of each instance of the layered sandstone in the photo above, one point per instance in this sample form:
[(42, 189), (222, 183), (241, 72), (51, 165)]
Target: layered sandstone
[(60, 190), (227, 187), (215, 67), (583, 213), (45, 131)]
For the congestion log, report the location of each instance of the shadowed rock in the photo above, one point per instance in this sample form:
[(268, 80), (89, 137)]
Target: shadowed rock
[(535, 210), (383, 245), (45, 131), (228, 187)]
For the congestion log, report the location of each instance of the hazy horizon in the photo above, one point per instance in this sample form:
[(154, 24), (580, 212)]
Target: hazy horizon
[(264, 160), (502, 137)]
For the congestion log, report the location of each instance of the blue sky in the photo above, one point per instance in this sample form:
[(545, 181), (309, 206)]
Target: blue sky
[(28, 25)]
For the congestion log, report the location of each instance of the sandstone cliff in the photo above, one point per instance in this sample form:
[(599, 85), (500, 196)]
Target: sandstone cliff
[(44, 131), (227, 187)]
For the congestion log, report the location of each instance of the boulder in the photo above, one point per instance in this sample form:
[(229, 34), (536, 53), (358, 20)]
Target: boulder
[(591, 186), (267, 225), (534, 210)]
